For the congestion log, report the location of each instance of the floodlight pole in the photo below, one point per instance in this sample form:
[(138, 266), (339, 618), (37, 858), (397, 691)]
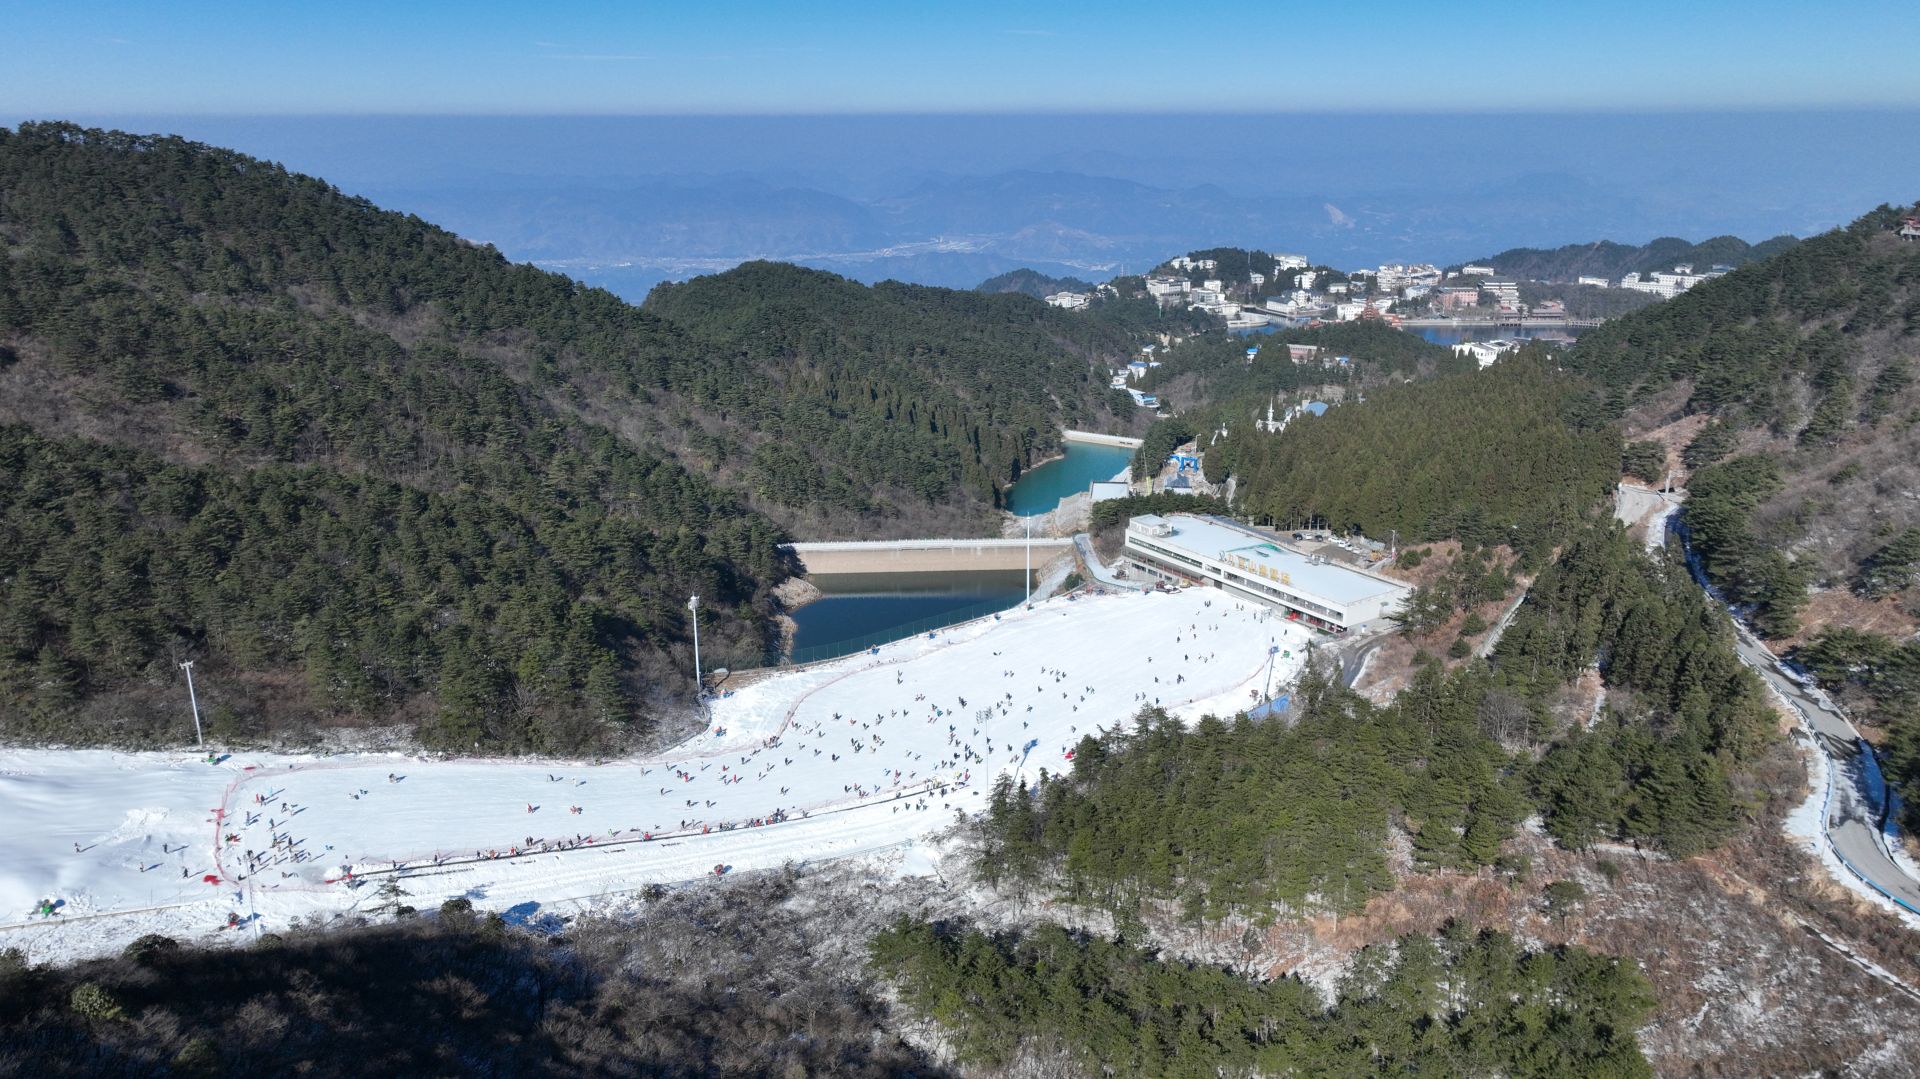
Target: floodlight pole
[(194, 701), (1026, 528), (699, 690)]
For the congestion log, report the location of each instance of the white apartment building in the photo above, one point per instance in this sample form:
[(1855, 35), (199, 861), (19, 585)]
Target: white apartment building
[(1072, 301), (1596, 282), (1397, 275), (1485, 353), (1250, 565), (1498, 291), (1289, 262), (1667, 285)]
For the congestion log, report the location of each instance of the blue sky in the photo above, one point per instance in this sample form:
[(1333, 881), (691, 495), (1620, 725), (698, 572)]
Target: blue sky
[(804, 56)]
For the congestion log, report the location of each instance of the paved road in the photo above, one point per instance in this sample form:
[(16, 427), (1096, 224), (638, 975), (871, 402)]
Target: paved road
[(1637, 505), (1853, 818), (1094, 566), (1352, 654)]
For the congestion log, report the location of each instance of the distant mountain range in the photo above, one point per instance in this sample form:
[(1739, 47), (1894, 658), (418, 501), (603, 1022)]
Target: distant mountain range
[(627, 202), (951, 231), (1613, 260), (955, 231)]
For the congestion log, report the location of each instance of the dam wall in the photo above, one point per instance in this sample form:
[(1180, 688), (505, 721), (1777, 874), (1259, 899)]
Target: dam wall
[(1095, 439), (924, 556)]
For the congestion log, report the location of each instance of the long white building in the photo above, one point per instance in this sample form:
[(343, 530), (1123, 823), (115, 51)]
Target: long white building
[(1210, 550)]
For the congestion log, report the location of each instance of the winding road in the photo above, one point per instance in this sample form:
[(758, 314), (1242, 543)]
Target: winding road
[(1856, 810)]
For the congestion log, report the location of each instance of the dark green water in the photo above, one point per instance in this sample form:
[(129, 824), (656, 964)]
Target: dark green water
[(1042, 489), (862, 609), (1453, 335)]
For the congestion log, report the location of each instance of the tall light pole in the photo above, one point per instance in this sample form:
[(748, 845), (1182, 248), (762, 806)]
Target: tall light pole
[(198, 737), (693, 604), (1026, 527)]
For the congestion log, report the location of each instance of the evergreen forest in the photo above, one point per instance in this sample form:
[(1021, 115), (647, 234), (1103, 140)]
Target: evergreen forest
[(1802, 476), (1513, 454), (1459, 1003), (1293, 814), (364, 472)]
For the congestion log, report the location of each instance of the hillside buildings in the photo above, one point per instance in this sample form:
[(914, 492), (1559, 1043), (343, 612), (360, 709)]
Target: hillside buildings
[(1256, 566), (1668, 285), (1486, 353), (1503, 293)]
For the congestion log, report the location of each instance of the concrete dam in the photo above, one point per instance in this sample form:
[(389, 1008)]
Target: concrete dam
[(925, 555)]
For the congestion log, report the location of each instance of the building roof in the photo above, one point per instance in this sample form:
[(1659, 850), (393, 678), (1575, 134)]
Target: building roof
[(1211, 537)]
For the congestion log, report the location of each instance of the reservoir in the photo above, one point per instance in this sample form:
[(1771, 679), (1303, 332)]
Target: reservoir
[(1454, 335), (863, 609), (1041, 489)]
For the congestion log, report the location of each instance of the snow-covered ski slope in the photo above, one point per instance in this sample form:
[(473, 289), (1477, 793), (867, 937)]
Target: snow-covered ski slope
[(861, 754)]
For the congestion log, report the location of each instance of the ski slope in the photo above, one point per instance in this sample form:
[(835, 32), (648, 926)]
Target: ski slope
[(858, 755)]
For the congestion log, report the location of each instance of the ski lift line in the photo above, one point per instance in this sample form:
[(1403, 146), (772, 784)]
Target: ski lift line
[(75, 919), (252, 772), (841, 856), (441, 868), (836, 807)]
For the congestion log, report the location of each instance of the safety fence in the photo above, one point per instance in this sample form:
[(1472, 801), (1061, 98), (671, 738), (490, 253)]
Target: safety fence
[(1676, 524)]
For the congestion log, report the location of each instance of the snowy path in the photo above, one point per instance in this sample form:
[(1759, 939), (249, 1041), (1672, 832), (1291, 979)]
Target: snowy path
[(861, 754)]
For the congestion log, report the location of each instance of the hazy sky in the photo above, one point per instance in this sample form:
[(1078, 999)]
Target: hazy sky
[(566, 56)]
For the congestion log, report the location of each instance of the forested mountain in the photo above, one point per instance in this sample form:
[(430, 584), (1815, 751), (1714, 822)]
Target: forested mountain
[(905, 395), (1033, 283), (1250, 818), (1804, 364), (1212, 379), (1807, 471), (1509, 454), (1613, 261), (366, 472)]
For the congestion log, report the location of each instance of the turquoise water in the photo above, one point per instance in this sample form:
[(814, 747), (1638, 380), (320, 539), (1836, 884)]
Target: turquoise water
[(860, 609), (1042, 489)]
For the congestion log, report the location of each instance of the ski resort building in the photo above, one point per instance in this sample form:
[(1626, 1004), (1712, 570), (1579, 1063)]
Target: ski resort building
[(1218, 552)]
